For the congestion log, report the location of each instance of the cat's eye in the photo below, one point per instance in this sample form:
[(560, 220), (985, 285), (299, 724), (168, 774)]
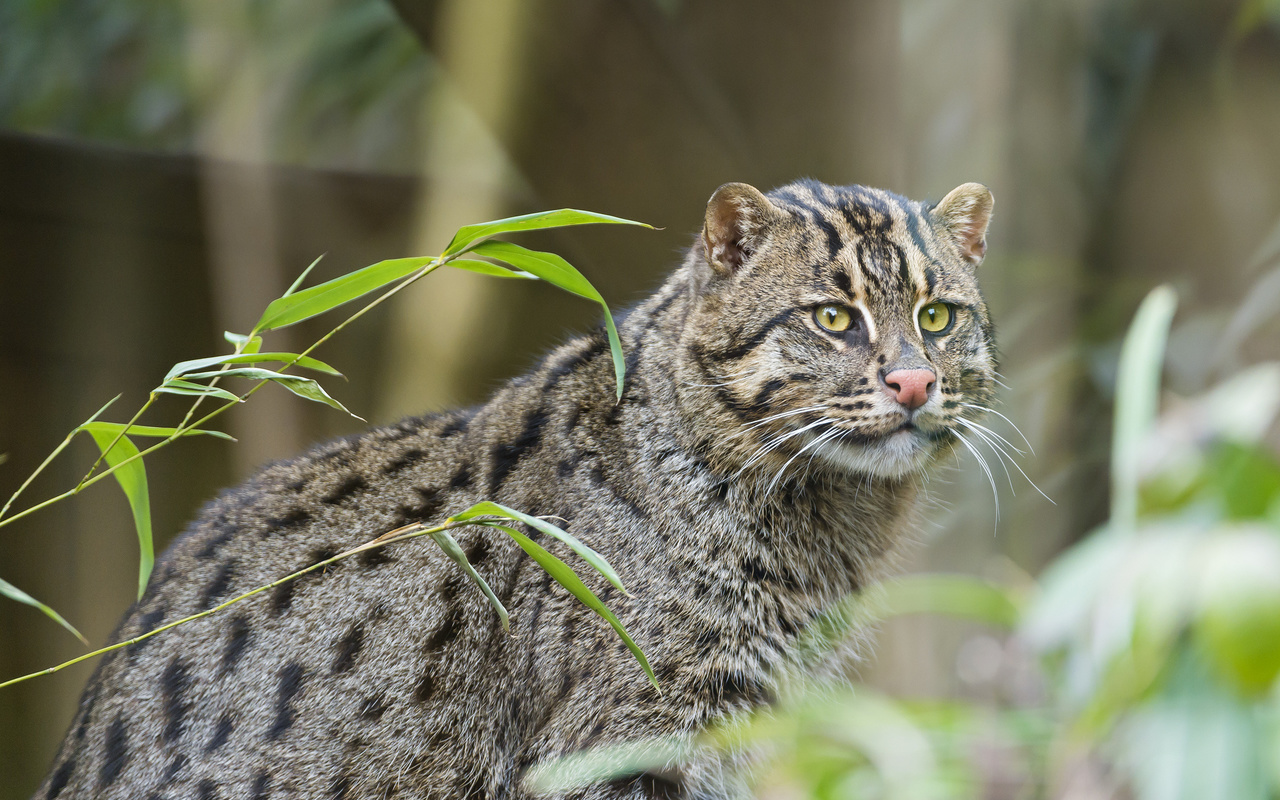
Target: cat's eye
[(833, 317), (935, 317)]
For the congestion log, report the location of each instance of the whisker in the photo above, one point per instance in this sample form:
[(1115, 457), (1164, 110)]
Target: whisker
[(1012, 461), (982, 463), (792, 413), (990, 432), (1000, 454), (777, 441), (1006, 419), (824, 436)]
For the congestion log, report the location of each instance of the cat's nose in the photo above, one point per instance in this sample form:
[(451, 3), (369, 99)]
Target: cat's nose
[(910, 387)]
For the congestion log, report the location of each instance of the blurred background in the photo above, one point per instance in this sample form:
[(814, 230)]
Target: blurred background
[(166, 169)]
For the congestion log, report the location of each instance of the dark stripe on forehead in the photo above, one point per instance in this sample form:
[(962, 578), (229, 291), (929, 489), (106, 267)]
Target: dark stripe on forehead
[(833, 241), (866, 213), (913, 230)]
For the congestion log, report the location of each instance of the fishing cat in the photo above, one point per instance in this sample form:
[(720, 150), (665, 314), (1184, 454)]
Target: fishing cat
[(786, 388)]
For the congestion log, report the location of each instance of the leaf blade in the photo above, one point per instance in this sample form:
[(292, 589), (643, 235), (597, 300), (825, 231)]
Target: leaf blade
[(597, 561), (560, 218), (186, 368), (116, 428), (453, 550), (188, 388), (485, 268), (560, 273), (569, 579), (132, 478), (14, 593), (313, 301)]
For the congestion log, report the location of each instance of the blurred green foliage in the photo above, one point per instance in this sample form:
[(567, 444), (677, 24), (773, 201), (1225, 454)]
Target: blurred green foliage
[(344, 77), (1153, 649)]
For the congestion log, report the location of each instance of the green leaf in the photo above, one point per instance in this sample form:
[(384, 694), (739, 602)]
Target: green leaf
[(485, 268), (451, 548), (302, 387), (316, 300), (567, 578), (188, 388), (555, 270), (14, 593), (116, 428), (548, 266), (186, 368), (132, 478), (293, 287), (1137, 400), (243, 343), (952, 595), (309, 389), (491, 509), (561, 218)]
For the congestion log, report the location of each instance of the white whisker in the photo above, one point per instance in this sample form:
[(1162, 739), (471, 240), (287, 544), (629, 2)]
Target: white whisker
[(824, 436), (1000, 454), (1010, 459), (982, 462), (777, 441), (1006, 419), (759, 422)]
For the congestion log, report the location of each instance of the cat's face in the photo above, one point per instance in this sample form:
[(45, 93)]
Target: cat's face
[(843, 325)]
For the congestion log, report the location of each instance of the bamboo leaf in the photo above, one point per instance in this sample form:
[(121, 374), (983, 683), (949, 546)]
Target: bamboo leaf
[(14, 593), (116, 428), (188, 388), (491, 509), (567, 578), (485, 268), (560, 218), (310, 302), (555, 270), (548, 266), (243, 343), (186, 368), (293, 287), (302, 387), (451, 548), (132, 478)]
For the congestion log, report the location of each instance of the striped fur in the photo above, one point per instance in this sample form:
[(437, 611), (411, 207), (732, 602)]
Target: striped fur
[(754, 473)]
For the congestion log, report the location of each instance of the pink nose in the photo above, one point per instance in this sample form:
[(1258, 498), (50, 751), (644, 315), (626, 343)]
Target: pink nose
[(910, 387)]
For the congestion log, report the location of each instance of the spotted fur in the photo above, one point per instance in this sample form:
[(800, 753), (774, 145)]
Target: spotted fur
[(756, 471)]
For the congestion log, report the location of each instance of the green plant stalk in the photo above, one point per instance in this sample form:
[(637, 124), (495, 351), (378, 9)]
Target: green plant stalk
[(180, 431), (400, 536), (238, 350), (150, 399), (49, 459)]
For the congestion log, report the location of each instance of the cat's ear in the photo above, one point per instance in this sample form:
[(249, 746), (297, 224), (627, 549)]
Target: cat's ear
[(965, 213), (736, 215)]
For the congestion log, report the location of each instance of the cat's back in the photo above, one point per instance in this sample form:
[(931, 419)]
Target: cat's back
[(376, 670)]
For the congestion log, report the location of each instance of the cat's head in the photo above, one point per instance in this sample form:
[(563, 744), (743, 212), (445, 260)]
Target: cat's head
[(841, 325)]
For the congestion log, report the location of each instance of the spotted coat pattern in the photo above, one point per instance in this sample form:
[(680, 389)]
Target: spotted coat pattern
[(710, 487)]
